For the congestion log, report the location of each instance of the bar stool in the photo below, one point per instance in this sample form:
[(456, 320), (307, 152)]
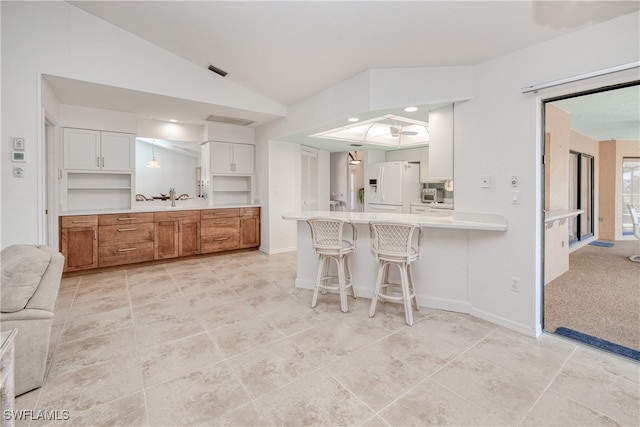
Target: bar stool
[(395, 243), (328, 243)]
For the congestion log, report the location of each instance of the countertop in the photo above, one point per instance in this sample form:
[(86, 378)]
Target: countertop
[(441, 219), (157, 207)]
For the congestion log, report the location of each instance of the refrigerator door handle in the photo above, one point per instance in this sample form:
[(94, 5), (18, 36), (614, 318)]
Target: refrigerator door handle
[(384, 208)]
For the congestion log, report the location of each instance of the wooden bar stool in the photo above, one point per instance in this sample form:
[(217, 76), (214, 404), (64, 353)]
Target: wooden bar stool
[(399, 244), (328, 243)]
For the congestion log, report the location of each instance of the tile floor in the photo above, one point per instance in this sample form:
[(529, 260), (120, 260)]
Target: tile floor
[(228, 340)]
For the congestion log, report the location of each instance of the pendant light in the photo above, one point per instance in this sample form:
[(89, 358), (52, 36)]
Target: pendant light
[(153, 163), (353, 160)]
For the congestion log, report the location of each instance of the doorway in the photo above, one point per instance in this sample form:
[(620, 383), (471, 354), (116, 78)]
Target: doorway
[(590, 286)]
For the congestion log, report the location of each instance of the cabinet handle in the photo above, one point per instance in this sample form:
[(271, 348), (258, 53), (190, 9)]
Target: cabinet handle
[(95, 234), (219, 213), (79, 221), (178, 216), (127, 219), (127, 250), (220, 223), (127, 229), (103, 162), (220, 239), (98, 161)]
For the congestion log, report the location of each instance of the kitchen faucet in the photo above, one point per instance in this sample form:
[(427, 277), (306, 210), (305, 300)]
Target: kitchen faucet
[(172, 196)]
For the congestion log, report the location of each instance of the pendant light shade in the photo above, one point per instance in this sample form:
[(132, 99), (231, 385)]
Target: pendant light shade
[(153, 163), (353, 159)]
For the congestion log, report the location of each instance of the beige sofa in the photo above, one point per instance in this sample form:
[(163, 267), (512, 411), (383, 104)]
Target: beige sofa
[(30, 281)]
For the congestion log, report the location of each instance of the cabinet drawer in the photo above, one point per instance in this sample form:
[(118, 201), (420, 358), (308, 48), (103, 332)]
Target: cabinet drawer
[(125, 254), (219, 243), (125, 233), (420, 209), (176, 216), (220, 226), (219, 213), (78, 221), (249, 211), (120, 219)]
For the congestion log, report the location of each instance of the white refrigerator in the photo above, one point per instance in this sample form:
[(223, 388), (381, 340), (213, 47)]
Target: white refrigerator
[(391, 186)]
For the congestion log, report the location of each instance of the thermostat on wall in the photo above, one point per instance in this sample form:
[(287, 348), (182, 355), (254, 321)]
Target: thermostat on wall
[(18, 143), (18, 156)]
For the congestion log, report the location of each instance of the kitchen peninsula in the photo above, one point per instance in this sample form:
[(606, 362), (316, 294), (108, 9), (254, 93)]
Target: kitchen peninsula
[(441, 274)]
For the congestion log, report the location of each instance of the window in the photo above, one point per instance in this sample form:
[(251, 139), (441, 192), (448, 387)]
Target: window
[(630, 190), (581, 196)]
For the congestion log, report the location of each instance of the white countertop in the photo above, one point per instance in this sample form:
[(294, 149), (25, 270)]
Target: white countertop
[(156, 207), (440, 219)]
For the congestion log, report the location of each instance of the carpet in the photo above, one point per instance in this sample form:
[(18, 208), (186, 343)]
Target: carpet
[(602, 244), (599, 343)]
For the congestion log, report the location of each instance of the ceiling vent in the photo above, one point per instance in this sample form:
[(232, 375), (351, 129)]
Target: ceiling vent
[(229, 120), (217, 70)]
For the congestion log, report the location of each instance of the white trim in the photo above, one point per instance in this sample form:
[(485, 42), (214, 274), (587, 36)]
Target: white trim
[(597, 73), (40, 166), (501, 321)]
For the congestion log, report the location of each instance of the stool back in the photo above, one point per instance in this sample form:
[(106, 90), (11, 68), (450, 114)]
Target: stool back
[(327, 236), (395, 241)]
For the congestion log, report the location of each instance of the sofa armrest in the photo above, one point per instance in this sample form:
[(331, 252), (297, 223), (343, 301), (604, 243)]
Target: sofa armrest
[(44, 298), (25, 314)]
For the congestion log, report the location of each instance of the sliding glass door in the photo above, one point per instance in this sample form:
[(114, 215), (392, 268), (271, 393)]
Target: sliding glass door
[(581, 195), (630, 191)]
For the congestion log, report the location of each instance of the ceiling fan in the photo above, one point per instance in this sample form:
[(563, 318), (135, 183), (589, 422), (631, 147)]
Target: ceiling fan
[(397, 131)]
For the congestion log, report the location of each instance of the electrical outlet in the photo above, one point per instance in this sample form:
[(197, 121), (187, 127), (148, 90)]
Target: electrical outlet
[(515, 284)]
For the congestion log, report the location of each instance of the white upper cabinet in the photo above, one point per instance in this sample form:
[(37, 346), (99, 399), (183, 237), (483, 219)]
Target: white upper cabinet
[(440, 144), (85, 149), (231, 158)]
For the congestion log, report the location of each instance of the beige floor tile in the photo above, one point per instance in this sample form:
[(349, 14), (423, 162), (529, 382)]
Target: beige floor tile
[(243, 336), (330, 341), (194, 283), (146, 274), (99, 305), (608, 393), (98, 292), (201, 302), (159, 289), (297, 319), (128, 411), (431, 404), (225, 314), (375, 422), (167, 361), (326, 403), (486, 385), (459, 331), (556, 410), (272, 302), (245, 416), (75, 355), (69, 283), (520, 354), (611, 364), (91, 386), (196, 398), (375, 376), (272, 366), (426, 352), (164, 321), (103, 280), (96, 324), (183, 266)]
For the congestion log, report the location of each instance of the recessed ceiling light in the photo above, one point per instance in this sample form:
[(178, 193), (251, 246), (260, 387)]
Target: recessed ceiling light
[(353, 119), (411, 109), (173, 120), (356, 145)]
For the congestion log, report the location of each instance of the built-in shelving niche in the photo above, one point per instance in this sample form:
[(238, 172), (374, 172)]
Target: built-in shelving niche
[(97, 190), (231, 189)]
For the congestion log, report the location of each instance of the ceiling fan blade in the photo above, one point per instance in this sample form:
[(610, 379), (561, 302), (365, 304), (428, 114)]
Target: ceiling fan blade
[(408, 132)]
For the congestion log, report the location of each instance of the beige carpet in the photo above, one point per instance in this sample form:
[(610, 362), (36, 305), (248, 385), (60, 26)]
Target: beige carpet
[(599, 295)]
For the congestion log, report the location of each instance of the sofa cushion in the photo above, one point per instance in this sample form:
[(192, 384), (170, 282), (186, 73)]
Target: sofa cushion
[(22, 269)]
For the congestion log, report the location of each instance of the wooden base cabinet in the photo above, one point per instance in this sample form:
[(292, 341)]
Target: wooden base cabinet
[(79, 242), (176, 234), (125, 239), (249, 228), (220, 230)]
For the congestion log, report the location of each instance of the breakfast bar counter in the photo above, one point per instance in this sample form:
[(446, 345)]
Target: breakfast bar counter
[(440, 275)]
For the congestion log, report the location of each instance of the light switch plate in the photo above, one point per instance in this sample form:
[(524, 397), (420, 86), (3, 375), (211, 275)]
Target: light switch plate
[(485, 181)]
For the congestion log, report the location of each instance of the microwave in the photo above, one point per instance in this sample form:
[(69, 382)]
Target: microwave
[(432, 195)]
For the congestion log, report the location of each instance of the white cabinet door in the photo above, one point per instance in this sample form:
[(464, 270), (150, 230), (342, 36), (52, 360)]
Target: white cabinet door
[(424, 164), (85, 149), (221, 157), (117, 151), (441, 143), (230, 158), (81, 149), (243, 158)]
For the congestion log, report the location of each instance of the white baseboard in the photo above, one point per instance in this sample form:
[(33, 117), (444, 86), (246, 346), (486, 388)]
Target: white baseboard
[(501, 321), (277, 251)]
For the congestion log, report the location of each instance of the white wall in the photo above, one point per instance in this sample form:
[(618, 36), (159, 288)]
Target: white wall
[(59, 39)]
